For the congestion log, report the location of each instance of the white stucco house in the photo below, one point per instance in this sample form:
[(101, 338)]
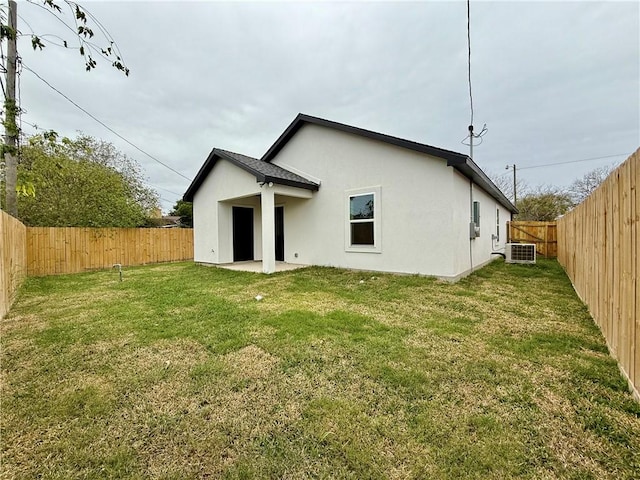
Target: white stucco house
[(331, 194)]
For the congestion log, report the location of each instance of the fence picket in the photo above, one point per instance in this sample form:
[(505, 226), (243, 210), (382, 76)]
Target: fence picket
[(543, 234), (53, 251), (598, 248), (13, 259)]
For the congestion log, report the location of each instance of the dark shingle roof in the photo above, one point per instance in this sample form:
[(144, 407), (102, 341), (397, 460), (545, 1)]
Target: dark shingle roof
[(462, 163), (263, 171), (301, 119)]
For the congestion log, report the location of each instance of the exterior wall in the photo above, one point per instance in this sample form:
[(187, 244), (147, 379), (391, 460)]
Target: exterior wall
[(415, 201), (476, 253), (225, 227), (423, 208), (212, 220)]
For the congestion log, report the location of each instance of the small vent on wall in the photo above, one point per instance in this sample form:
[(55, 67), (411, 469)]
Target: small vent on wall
[(520, 253)]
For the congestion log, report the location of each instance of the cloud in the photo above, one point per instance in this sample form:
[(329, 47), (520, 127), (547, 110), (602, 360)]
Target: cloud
[(553, 81)]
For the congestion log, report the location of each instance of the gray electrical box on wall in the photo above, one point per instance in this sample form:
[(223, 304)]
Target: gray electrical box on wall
[(473, 231)]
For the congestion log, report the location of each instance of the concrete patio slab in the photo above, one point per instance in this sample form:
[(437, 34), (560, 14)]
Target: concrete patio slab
[(257, 266)]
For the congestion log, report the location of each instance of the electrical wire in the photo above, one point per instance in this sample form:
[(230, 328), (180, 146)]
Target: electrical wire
[(36, 127), (105, 33), (469, 56), (19, 104), (104, 124), (4, 70), (54, 16), (562, 163), (162, 188), (83, 41), (164, 199), (574, 161), (25, 22), (31, 125), (484, 130)]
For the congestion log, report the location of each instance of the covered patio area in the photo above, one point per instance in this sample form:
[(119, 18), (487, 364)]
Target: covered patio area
[(249, 212), (257, 267)]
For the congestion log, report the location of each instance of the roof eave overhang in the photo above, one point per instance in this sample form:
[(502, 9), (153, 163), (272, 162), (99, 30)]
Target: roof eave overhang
[(469, 169), (200, 176), (460, 162), (262, 178), (314, 187), (216, 154), (301, 119)]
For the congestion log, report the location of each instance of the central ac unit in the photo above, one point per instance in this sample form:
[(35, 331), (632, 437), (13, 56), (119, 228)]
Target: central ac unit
[(520, 253)]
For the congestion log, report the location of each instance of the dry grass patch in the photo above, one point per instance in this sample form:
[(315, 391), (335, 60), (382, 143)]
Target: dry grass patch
[(178, 372), (251, 362)]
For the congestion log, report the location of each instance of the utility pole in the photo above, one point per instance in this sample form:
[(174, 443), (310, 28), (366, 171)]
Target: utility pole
[(10, 112), (515, 196), (471, 142)]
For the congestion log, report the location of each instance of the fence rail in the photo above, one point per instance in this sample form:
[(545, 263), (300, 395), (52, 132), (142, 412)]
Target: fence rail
[(52, 251), (13, 259), (599, 249), (543, 234), (36, 251)]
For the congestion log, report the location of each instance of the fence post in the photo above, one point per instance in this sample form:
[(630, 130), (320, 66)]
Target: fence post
[(546, 243)]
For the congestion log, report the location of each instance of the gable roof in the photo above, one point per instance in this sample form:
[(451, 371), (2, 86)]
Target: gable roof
[(463, 163), (263, 171)]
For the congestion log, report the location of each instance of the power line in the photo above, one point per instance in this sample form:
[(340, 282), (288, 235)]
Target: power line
[(105, 125), (484, 130), (164, 199), (36, 127), (147, 183), (575, 161), (161, 188)]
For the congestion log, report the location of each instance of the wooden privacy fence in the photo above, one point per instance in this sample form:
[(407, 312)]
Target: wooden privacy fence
[(52, 251), (599, 249), (543, 234), (13, 259)]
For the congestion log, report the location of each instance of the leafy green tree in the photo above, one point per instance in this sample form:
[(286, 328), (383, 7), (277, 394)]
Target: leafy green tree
[(185, 211), (82, 39), (544, 204), (82, 183)]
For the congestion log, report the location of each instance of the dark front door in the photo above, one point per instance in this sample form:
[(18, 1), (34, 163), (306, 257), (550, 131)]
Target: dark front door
[(242, 234), (280, 234)]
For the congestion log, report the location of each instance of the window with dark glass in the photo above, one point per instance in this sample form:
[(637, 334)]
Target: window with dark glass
[(362, 219)]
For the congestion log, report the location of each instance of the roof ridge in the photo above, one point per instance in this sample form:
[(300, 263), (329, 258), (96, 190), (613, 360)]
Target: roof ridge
[(312, 118), (234, 153), (461, 162)]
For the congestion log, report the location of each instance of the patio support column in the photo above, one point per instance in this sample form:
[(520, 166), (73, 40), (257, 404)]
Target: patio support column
[(268, 202)]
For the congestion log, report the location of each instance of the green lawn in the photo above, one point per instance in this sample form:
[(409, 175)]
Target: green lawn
[(178, 372)]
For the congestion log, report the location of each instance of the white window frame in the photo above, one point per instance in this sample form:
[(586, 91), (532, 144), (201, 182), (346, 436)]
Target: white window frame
[(376, 191), (476, 213)]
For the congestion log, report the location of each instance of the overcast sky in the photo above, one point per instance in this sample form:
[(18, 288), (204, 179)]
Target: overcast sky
[(553, 81)]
